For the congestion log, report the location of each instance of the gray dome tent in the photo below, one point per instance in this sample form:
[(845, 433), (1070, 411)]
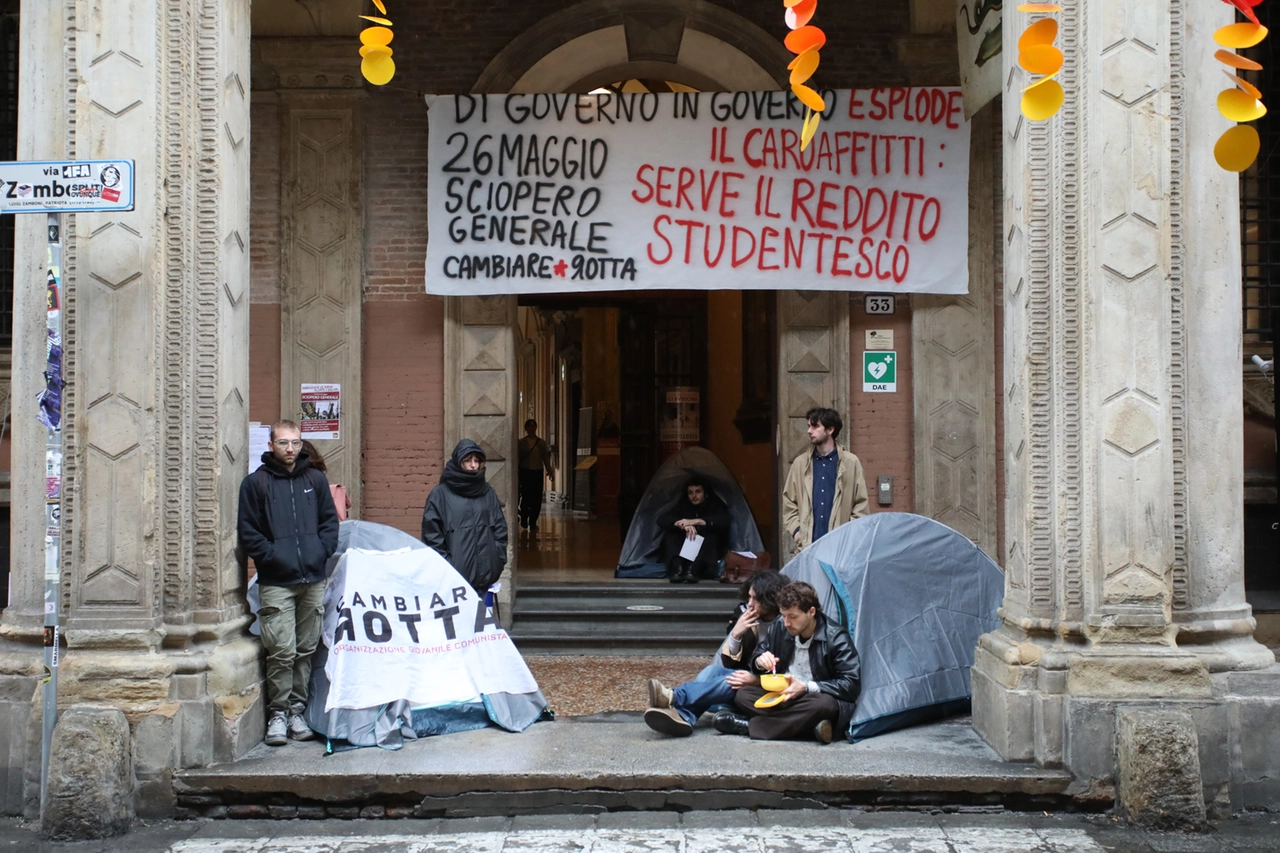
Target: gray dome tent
[(915, 595), (641, 557)]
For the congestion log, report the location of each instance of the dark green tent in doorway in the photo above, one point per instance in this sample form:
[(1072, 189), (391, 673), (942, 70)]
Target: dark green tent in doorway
[(915, 595)]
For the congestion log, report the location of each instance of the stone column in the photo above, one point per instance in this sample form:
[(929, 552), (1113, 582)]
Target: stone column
[(155, 413), (1123, 410)]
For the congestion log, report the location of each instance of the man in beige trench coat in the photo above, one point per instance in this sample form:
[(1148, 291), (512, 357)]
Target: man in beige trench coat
[(825, 487)]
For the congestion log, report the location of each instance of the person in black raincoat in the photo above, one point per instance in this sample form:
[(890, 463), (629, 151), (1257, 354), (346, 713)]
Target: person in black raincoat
[(463, 520), (699, 512)]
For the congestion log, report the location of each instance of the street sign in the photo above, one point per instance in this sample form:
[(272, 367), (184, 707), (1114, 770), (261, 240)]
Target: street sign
[(66, 186), (879, 371)]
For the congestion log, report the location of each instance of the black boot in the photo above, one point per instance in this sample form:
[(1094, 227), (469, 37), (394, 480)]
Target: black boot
[(729, 723)]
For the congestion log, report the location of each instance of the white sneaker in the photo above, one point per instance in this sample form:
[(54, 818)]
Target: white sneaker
[(277, 729), (298, 728)]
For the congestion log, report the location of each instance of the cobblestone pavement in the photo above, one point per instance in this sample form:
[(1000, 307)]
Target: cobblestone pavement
[(577, 685), (696, 832)]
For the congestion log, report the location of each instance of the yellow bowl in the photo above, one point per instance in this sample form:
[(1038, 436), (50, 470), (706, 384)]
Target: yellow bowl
[(768, 700), (774, 683)]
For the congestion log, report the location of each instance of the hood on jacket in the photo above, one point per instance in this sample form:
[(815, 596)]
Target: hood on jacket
[(469, 484), (465, 448), (276, 468)]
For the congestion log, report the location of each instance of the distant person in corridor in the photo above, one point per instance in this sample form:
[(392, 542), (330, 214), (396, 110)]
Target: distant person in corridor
[(463, 519), (535, 466), (825, 487), (288, 524)]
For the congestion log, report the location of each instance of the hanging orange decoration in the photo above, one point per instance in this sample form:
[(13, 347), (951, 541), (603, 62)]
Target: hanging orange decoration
[(1238, 147), (1041, 59), (1238, 36), (805, 38), (1235, 60), (801, 13), (1037, 54), (1241, 83), (803, 66), (805, 41), (376, 64), (1043, 31)]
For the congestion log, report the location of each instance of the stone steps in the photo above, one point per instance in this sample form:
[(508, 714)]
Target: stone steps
[(622, 618), (614, 763)]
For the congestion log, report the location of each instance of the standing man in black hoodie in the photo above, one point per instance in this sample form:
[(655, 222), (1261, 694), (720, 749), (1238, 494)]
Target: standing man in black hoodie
[(463, 519), (289, 526)]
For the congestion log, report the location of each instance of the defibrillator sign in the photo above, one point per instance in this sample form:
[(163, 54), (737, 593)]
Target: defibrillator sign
[(879, 371)]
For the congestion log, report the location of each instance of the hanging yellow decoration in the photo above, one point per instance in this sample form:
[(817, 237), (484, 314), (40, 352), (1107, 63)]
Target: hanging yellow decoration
[(376, 64), (1037, 54), (1238, 147)]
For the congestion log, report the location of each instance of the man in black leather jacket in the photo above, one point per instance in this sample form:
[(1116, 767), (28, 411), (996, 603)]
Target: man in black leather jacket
[(823, 684)]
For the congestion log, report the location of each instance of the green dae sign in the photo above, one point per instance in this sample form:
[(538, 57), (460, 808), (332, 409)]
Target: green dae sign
[(879, 371)]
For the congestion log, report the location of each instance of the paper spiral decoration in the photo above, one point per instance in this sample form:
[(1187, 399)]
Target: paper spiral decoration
[(1037, 54), (1236, 149), (375, 48)]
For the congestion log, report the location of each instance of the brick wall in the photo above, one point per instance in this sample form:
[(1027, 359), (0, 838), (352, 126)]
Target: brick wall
[(403, 408), (880, 424)]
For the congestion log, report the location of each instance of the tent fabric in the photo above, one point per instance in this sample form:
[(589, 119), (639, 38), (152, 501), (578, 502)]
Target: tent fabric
[(915, 595), (642, 549), (389, 725)]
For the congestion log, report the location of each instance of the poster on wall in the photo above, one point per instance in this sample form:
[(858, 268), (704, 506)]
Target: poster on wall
[(321, 411), (259, 443), (543, 193), (681, 424)]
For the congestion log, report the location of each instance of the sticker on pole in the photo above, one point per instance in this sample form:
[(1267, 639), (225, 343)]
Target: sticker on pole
[(70, 186), (879, 371)]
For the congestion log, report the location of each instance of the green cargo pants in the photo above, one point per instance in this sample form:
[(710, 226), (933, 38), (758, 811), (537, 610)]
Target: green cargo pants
[(290, 618)]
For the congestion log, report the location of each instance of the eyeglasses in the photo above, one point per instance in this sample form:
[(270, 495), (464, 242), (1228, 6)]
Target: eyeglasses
[(285, 442)]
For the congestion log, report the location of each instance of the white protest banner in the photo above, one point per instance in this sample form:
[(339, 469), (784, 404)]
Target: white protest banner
[(706, 190), (405, 625)]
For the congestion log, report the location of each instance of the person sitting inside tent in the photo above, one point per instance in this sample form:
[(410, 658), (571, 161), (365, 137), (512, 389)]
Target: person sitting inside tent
[(822, 671), (675, 712), (698, 513)]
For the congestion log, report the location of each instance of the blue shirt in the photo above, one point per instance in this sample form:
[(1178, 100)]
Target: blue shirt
[(824, 489)]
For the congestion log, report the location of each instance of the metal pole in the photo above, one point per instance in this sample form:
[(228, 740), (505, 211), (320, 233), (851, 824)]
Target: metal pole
[(52, 399)]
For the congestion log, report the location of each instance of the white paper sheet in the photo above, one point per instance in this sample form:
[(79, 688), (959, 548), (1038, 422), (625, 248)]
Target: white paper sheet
[(691, 548)]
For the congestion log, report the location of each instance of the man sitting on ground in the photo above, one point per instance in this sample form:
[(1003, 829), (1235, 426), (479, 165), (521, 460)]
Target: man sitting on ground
[(821, 665), (699, 512), (675, 712)]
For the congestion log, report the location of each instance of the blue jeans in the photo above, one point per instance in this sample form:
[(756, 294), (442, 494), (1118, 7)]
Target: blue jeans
[(694, 698)]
